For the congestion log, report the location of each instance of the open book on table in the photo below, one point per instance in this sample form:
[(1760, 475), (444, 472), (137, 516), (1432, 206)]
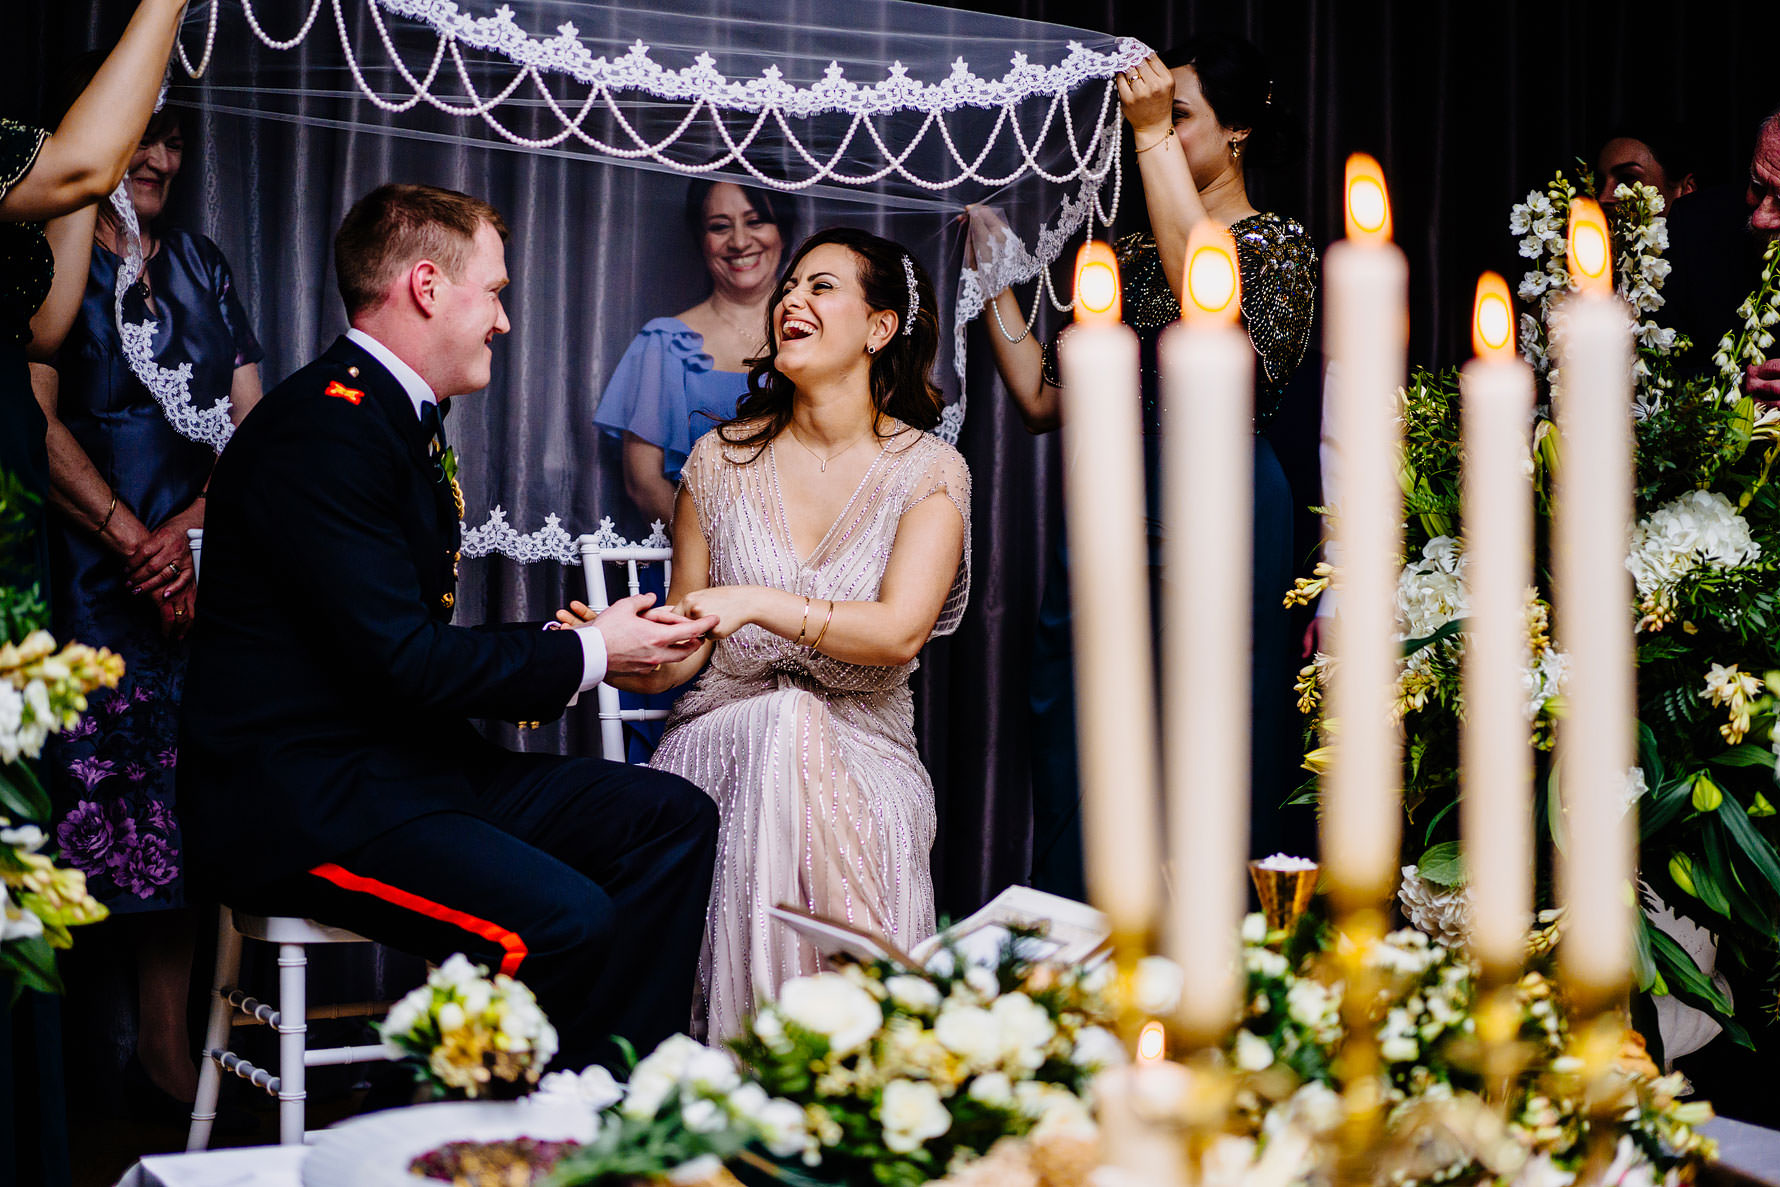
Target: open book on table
[(1070, 932)]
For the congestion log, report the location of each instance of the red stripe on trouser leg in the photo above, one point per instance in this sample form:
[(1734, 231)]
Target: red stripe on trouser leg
[(510, 943)]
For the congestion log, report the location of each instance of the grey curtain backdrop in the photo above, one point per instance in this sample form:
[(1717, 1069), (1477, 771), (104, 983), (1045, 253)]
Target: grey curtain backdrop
[(1467, 105)]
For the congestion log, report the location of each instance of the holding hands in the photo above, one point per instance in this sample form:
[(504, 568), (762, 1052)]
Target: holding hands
[(161, 562), (638, 638)]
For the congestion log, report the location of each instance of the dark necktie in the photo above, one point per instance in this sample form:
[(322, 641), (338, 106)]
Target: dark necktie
[(433, 425)]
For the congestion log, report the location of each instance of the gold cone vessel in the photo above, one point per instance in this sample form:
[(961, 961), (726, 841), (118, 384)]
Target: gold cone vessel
[(1284, 894)]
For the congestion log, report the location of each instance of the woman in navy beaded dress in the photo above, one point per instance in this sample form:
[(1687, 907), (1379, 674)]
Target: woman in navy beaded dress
[(1199, 115), (124, 489)]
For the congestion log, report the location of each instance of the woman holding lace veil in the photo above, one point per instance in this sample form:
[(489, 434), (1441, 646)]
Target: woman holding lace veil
[(808, 526), (1199, 114)]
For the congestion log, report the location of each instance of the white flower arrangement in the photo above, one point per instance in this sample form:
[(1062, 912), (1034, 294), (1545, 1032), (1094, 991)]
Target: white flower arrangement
[(1697, 530), (470, 1034)]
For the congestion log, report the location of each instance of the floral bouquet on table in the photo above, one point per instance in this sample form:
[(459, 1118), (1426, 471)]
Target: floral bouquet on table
[(873, 1074), (1439, 1127), (43, 690), (469, 1035), (1705, 564)]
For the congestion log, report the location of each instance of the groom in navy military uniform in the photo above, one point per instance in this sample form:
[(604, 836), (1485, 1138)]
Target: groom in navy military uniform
[(327, 767)]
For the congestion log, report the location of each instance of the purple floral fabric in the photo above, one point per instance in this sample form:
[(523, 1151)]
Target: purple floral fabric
[(113, 776)]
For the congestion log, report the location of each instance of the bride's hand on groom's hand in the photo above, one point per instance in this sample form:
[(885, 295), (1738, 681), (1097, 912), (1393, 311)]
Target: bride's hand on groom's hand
[(638, 638), (733, 606)]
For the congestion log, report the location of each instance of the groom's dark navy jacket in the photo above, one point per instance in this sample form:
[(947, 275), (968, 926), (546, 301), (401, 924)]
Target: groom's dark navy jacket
[(328, 693)]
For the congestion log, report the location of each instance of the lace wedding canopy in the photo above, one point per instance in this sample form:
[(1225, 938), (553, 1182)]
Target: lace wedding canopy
[(584, 122)]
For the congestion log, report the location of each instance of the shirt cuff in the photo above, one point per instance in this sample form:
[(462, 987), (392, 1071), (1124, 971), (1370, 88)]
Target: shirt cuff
[(593, 658)]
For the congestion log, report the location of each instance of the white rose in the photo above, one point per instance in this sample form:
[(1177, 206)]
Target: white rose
[(1158, 985), (992, 1088), (1309, 1004), (982, 982), (1096, 1048), (711, 1071), (703, 1115), (780, 1124), (16, 923), (830, 1005), (969, 1032), (451, 1017), (1254, 928), (917, 995), (705, 1166), (911, 1113), (670, 1060), (1399, 1049), (1024, 1028), (1253, 1053), (769, 1030), (1052, 1108), (648, 1089), (593, 1087), (456, 973)]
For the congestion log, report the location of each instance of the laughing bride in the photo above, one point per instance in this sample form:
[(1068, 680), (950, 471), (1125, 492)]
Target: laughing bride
[(808, 526)]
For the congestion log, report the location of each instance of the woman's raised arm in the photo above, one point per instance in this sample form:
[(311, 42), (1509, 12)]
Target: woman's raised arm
[(87, 154)]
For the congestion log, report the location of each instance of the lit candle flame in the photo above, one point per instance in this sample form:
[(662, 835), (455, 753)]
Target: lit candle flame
[(1368, 201), (1214, 283), (1152, 1042), (1097, 297), (1492, 319), (1591, 251)]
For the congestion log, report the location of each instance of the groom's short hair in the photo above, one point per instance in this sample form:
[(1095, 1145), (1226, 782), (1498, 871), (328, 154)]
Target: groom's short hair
[(394, 227)]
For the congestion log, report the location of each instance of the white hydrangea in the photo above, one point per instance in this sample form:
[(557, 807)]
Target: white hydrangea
[(1443, 912), (1699, 528)]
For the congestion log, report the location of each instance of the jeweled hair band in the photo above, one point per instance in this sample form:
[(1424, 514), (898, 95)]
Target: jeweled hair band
[(908, 270)]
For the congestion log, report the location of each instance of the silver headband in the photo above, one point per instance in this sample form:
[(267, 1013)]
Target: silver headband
[(908, 270)]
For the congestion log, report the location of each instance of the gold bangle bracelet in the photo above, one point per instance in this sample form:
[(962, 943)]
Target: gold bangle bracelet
[(109, 512), (824, 629), (806, 622), (1152, 144)]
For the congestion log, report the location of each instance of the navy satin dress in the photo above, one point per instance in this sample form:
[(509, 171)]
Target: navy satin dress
[(1279, 280), (112, 775)]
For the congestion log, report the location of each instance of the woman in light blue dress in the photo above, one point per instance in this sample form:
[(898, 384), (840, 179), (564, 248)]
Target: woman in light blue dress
[(682, 375)]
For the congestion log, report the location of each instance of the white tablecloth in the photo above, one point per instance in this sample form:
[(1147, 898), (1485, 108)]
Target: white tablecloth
[(249, 1166), (1750, 1149)]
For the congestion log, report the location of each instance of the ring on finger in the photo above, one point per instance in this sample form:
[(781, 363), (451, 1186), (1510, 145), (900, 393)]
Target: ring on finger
[(173, 568)]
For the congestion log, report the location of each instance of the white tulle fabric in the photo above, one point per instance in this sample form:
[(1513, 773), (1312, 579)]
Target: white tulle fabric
[(877, 113), (824, 802)]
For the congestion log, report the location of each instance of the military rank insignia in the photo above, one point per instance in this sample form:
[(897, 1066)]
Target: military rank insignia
[(341, 392)]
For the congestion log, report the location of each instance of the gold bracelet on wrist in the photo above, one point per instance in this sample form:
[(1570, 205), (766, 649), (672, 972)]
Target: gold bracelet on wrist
[(109, 512), (824, 629), (1166, 137), (806, 622)]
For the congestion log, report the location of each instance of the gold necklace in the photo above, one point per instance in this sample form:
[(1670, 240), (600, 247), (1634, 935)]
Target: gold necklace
[(823, 461), (752, 337)]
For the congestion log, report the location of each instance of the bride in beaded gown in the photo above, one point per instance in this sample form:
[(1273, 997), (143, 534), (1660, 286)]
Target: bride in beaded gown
[(830, 535)]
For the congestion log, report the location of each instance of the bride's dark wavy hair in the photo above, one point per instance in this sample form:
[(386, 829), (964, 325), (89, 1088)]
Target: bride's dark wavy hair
[(900, 383)]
